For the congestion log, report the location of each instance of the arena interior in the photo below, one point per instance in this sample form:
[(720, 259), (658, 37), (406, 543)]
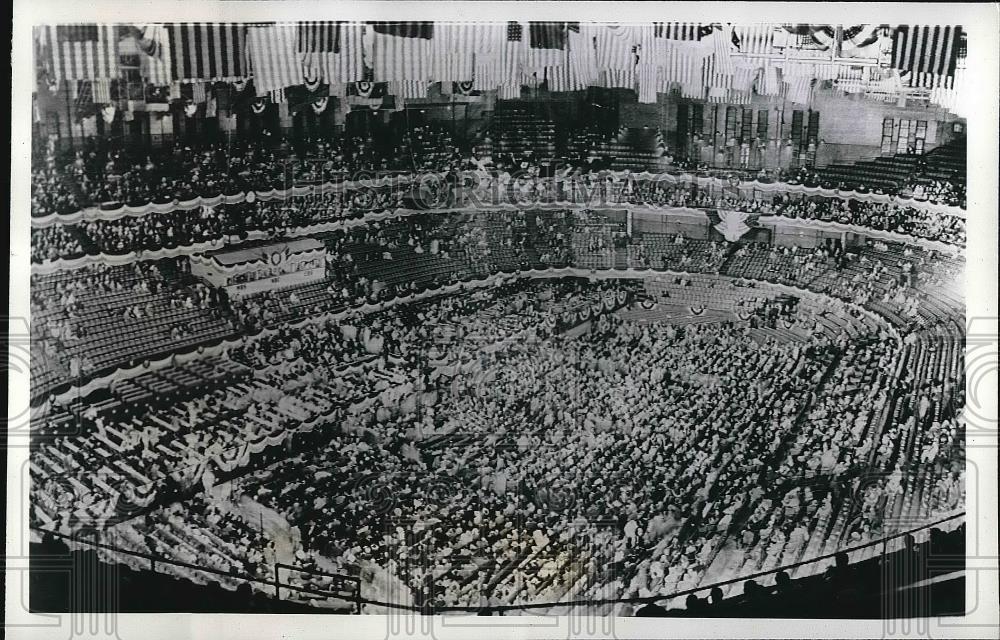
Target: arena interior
[(499, 318)]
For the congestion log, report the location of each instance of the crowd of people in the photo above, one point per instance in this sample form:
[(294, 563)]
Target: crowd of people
[(458, 419), (95, 175), (230, 223), (379, 261), (461, 450)]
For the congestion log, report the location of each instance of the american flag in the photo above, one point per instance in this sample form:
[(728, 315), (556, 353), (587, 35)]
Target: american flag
[(563, 78), (402, 51), (717, 81), (198, 92), (156, 63), (951, 93), (274, 59), (509, 92), (408, 89), (79, 52), (799, 89), (619, 78), (101, 88), (421, 30), (851, 79), (768, 82), (755, 38), (277, 96), (208, 51), (680, 66), (744, 77), (502, 67), (583, 55), (451, 52), (616, 46), (547, 44), (682, 30), (648, 77), (332, 51), (722, 50), (931, 49)]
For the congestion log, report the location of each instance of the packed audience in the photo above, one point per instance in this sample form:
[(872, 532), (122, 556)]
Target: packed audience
[(527, 442), (229, 223), (479, 386)]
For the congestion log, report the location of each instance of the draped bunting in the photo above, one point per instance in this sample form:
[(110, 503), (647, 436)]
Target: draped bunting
[(116, 212), (201, 247), (733, 225)]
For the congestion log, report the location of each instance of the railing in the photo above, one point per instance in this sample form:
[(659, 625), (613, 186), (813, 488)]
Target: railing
[(263, 582), (358, 601)]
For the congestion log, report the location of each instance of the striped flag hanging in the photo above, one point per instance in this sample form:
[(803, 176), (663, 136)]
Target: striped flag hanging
[(951, 92), (743, 82), (198, 92), (451, 52), (509, 92), (852, 79), (799, 89), (546, 44), (208, 51), (648, 77), (619, 78), (503, 65), (402, 51), (563, 78), (931, 49), (680, 67), (277, 96), (155, 65), (722, 49), (408, 89), (755, 38), (717, 80), (582, 54), (274, 59), (102, 90), (331, 51), (768, 82), (79, 52), (422, 30), (615, 46), (682, 30)]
